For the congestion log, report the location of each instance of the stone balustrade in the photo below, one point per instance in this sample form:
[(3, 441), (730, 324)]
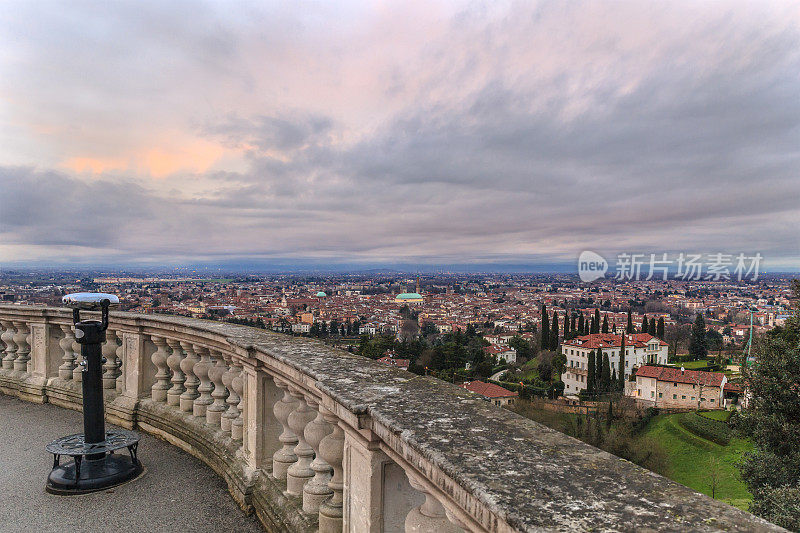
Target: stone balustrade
[(315, 439)]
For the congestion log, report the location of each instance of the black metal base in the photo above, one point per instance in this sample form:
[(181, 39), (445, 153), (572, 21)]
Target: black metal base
[(94, 475)]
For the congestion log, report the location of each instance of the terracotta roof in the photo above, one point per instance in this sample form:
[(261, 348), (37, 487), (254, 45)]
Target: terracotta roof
[(399, 363), (488, 390), (661, 373), (610, 340)]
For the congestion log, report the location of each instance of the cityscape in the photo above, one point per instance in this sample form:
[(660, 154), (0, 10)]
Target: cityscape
[(436, 267)]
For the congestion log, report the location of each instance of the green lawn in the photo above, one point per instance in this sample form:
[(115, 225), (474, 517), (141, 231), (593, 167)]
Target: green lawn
[(692, 365), (691, 459), (716, 415)]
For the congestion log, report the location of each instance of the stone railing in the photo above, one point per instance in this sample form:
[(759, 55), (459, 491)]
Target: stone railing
[(313, 438)]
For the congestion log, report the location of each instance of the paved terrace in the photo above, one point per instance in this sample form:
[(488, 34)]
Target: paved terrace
[(317, 439), (177, 492)]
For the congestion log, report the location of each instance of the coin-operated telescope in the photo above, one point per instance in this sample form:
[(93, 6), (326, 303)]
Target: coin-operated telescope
[(94, 465)]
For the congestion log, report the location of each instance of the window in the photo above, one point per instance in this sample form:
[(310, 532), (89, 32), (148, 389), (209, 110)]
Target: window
[(712, 400), (702, 399), (692, 398), (674, 384), (683, 397), (652, 394), (674, 396), (660, 394)]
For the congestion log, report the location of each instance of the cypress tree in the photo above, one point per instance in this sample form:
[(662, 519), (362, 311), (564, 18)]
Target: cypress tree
[(596, 322), (630, 322), (614, 328), (644, 324), (652, 328), (605, 374), (605, 323), (590, 374), (698, 346), (566, 325), (660, 328), (545, 344), (554, 332), (598, 369), (581, 324), (621, 372), (572, 326)]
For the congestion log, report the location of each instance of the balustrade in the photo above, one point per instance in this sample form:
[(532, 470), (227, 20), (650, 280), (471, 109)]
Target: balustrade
[(10, 352), (349, 429), (201, 368), (191, 383), (178, 377), (77, 369), (159, 358), (300, 471), (220, 392)]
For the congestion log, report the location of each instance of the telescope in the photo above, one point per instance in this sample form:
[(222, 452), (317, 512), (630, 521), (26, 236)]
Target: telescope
[(94, 465)]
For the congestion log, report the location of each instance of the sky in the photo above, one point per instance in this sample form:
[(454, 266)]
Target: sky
[(330, 133)]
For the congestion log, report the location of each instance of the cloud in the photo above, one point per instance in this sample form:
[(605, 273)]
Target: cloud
[(433, 133)]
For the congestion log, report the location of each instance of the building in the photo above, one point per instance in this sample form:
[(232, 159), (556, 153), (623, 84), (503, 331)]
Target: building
[(409, 298), (499, 351), (398, 363), (491, 392), (659, 386), (640, 349)]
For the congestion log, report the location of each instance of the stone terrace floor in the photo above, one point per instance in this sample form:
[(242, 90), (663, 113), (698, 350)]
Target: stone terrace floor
[(176, 493)]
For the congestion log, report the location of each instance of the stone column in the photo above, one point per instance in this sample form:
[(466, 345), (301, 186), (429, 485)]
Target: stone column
[(23, 349), (237, 383), (178, 377), (300, 472), (110, 368), (285, 457), (430, 516), (201, 368), (120, 381), (40, 365), (66, 368), (159, 358), (220, 393), (136, 366), (363, 479), (10, 352), (316, 490), (188, 363), (331, 448), (233, 399)]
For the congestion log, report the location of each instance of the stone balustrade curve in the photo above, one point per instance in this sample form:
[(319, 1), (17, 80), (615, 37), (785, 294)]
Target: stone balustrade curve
[(312, 438)]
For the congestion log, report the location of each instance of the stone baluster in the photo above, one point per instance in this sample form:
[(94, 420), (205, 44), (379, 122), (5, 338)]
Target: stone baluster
[(430, 516), (66, 368), (10, 353), (77, 370), (220, 393), (233, 399), (23, 348), (162, 377), (285, 457), (110, 368), (120, 366), (201, 369), (316, 490), (237, 424), (332, 449), (187, 365), (300, 472), (178, 377)]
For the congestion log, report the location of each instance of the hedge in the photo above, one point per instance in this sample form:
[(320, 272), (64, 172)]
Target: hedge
[(713, 430)]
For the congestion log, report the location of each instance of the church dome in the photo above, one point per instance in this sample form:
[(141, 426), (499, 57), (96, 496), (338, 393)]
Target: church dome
[(321, 294)]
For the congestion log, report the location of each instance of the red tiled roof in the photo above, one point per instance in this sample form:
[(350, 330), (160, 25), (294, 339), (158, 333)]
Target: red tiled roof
[(610, 340), (399, 363), (713, 379), (488, 390)]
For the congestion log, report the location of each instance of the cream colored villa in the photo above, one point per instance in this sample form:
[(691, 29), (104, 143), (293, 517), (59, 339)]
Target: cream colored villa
[(640, 349)]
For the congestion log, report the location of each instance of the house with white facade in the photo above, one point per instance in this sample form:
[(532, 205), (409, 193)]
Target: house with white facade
[(640, 349), (658, 386)]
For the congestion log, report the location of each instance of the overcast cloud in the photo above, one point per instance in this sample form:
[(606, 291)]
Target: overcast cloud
[(379, 132)]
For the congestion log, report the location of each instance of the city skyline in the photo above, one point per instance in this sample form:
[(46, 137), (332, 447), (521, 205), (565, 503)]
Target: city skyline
[(430, 134)]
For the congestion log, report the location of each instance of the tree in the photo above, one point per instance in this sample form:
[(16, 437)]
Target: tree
[(698, 347), (566, 325), (596, 322), (621, 373), (590, 374), (651, 329), (605, 322), (772, 470), (572, 326), (630, 322), (614, 328), (598, 368), (713, 475), (554, 332), (660, 328), (545, 329), (581, 324), (644, 324), (605, 374)]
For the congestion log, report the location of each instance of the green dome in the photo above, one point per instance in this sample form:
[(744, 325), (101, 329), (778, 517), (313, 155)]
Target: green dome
[(321, 294), (409, 296)]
